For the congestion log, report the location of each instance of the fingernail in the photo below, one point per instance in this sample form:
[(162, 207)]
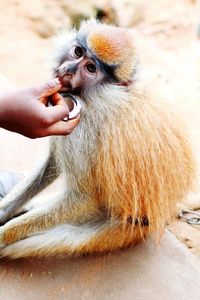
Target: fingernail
[(57, 81), (54, 83)]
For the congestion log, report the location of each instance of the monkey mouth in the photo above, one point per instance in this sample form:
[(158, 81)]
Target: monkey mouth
[(68, 88), (66, 85)]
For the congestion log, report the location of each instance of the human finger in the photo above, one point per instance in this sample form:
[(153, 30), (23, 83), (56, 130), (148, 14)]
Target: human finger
[(48, 88), (54, 99), (62, 127)]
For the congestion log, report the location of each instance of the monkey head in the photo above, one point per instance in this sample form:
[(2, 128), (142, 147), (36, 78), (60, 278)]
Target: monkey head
[(95, 54)]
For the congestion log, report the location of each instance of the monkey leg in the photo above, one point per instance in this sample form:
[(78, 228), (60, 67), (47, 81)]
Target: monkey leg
[(69, 239), (28, 188), (63, 210)]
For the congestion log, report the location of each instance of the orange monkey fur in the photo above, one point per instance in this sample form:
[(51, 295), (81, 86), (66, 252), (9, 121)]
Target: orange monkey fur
[(113, 46), (143, 167), (146, 166)]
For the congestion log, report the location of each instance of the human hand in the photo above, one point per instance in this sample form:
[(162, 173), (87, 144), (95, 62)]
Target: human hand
[(25, 111)]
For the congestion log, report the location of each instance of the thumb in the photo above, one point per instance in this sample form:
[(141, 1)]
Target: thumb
[(48, 88)]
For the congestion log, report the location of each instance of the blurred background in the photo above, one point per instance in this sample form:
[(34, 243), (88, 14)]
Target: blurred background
[(167, 36)]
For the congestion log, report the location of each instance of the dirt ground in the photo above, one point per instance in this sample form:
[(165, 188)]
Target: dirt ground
[(167, 35)]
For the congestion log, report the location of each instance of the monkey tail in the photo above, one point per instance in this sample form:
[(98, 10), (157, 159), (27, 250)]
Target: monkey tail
[(98, 237)]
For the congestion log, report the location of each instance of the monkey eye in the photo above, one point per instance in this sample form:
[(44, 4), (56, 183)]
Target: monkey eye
[(91, 68), (78, 51)]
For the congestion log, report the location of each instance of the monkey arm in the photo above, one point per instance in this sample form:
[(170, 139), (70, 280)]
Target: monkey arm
[(27, 188)]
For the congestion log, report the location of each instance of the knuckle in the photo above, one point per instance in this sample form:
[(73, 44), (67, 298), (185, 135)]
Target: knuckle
[(46, 120)]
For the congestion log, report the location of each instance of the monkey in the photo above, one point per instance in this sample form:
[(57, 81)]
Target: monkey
[(125, 166)]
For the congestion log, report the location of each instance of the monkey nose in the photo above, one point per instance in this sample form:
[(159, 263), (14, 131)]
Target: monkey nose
[(71, 68), (64, 76), (63, 72), (68, 69), (67, 76), (65, 80)]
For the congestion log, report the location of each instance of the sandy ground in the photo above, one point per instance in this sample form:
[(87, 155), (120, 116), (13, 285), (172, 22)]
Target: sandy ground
[(166, 34)]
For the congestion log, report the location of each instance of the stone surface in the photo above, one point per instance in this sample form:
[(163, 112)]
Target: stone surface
[(168, 271)]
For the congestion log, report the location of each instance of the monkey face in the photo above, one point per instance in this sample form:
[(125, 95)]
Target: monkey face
[(94, 54), (79, 70)]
